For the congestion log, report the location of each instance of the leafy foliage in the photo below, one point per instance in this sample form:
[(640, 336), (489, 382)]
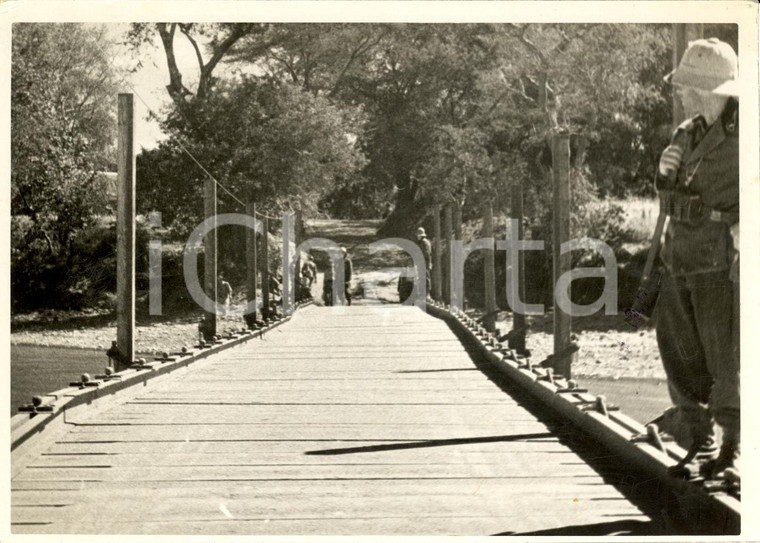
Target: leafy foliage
[(281, 147), (62, 131)]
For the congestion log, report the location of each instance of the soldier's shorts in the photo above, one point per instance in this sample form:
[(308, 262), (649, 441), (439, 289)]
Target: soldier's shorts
[(697, 332)]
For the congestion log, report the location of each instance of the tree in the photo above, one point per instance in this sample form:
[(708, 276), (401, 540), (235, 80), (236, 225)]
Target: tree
[(63, 97), (279, 146), (214, 41), (456, 111)]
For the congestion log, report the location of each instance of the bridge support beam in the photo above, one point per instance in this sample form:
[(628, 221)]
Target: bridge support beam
[(210, 278), (565, 352), (457, 220), (437, 253), (489, 271), (519, 326), (447, 235), (265, 270), (125, 235), (251, 264)]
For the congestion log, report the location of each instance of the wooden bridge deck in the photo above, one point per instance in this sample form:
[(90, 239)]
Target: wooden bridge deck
[(366, 421)]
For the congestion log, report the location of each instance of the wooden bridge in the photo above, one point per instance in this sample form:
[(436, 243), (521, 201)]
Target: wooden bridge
[(346, 420)]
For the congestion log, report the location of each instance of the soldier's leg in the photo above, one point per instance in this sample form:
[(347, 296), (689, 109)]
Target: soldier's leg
[(716, 310), (683, 358)]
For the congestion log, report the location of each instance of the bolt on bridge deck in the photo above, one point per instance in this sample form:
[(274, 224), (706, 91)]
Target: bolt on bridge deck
[(347, 420)]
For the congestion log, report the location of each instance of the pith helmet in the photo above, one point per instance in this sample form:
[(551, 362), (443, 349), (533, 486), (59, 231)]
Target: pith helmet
[(709, 65), (420, 232)]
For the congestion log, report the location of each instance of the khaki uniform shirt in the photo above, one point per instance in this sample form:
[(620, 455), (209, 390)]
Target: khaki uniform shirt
[(710, 169)]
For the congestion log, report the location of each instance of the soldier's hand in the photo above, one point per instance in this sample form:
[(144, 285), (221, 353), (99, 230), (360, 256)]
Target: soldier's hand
[(670, 160), (735, 236)]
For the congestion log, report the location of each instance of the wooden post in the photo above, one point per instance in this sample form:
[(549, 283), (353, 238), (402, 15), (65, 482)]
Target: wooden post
[(437, 254), (210, 278), (447, 234), (265, 270), (251, 269), (561, 233), (297, 238), (458, 236), (288, 279), (457, 221), (125, 235), (519, 327), (489, 272), (682, 35)]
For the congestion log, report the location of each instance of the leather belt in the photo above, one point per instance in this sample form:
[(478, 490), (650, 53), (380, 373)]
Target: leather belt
[(680, 206)]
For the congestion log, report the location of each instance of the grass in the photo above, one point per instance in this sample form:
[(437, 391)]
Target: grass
[(640, 217)]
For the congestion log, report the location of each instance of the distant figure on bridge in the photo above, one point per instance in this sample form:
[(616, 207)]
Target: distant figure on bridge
[(309, 271), (427, 252), (348, 268), (697, 309), (224, 291)]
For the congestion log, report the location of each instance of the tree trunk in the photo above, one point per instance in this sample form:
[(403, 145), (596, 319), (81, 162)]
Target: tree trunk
[(407, 214)]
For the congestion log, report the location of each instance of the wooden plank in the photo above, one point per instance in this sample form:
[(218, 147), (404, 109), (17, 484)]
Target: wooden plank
[(338, 524), (294, 456), (475, 502), (79, 491), (113, 447), (514, 471)]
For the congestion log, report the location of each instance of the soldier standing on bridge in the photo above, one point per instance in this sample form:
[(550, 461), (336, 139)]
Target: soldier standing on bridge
[(697, 309)]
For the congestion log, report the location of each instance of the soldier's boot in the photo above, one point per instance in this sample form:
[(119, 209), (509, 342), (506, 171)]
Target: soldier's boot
[(726, 465), (703, 450)]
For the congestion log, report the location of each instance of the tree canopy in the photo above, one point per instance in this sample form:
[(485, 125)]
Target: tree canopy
[(63, 95), (451, 111), (343, 119)]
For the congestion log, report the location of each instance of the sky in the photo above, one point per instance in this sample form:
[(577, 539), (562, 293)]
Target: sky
[(148, 83)]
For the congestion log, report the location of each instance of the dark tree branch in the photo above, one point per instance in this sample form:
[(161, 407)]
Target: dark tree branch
[(364, 45), (176, 89), (185, 29)]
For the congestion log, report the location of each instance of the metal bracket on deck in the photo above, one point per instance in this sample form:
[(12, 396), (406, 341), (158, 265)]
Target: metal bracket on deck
[(140, 364), (508, 353), (599, 404), (108, 375), (731, 484), (182, 353), (37, 406), (654, 437), (563, 360), (85, 381), (572, 388), (165, 358)]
